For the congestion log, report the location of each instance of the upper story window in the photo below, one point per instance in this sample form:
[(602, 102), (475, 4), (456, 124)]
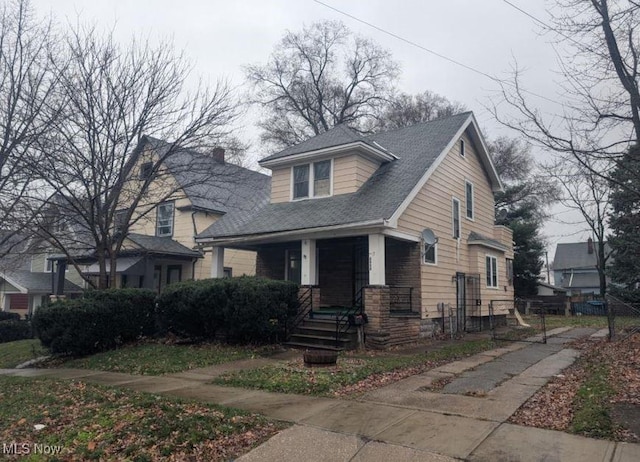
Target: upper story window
[(455, 211), (164, 219), (145, 170), (120, 221), (469, 197), (492, 271), (312, 180), (462, 148)]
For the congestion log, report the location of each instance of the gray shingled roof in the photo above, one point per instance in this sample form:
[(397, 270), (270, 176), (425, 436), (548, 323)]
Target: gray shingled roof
[(161, 245), (582, 281), (481, 239), (575, 255), (337, 136), (417, 147), (213, 185), (38, 283)]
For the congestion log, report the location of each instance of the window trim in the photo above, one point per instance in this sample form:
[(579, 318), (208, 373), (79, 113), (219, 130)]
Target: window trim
[(468, 183), (493, 259), (435, 255), (311, 180), (173, 218), (453, 220), (462, 148)]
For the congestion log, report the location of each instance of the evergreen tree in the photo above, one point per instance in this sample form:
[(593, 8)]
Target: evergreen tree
[(625, 226)]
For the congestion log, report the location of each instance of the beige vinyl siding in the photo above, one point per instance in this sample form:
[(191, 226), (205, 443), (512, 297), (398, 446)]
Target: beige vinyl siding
[(351, 172), (432, 208), (281, 185)]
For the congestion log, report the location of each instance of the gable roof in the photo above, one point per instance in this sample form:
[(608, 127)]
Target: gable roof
[(575, 255), (212, 185), (386, 193), (36, 283)]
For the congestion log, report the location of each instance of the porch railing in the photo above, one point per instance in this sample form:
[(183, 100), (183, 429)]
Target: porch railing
[(351, 316), (400, 298), (305, 307)]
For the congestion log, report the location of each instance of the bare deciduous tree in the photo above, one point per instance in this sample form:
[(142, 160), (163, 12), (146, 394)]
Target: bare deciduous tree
[(111, 96), (320, 77), (587, 193), (600, 86), (404, 110), (27, 81)]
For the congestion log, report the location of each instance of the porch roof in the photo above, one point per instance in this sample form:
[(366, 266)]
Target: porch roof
[(36, 283), (417, 148), (122, 264), (479, 239), (161, 246)]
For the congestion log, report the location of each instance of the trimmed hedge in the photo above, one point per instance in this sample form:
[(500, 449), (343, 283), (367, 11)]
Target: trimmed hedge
[(99, 321), (15, 329), (242, 310), (9, 316)]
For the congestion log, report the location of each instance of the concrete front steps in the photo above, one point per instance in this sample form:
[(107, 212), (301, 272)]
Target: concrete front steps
[(319, 333)]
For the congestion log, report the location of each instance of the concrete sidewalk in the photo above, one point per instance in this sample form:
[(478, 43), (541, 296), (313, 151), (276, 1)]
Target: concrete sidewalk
[(402, 421)]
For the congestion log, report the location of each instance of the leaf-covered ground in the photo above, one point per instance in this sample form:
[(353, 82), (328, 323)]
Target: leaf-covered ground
[(582, 398), (92, 422)]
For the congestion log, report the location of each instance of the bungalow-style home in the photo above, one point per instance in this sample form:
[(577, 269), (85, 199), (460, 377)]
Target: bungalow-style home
[(574, 267), (187, 194), (26, 275), (398, 224)]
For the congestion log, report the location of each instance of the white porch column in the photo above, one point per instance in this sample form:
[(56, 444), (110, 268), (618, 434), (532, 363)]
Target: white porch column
[(376, 260), (309, 276), (217, 262)]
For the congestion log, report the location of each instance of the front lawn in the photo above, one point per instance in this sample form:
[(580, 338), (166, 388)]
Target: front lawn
[(20, 351), (158, 358), (90, 422), (354, 374)]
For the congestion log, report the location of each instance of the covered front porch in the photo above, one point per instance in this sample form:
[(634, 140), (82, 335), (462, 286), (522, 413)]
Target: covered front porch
[(374, 274)]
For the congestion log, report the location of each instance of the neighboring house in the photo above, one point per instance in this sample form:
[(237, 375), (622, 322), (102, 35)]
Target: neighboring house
[(26, 275), (160, 246), (348, 214), (548, 290), (574, 267)]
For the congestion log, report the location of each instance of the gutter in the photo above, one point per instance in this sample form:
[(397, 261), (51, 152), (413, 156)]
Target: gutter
[(257, 237)]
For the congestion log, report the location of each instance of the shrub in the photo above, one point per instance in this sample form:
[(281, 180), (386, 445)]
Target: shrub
[(245, 309), (99, 321), (8, 316), (14, 329)]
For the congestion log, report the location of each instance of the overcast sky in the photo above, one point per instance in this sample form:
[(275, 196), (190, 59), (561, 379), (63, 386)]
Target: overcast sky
[(222, 36)]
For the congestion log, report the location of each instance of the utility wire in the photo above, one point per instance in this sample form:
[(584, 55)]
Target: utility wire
[(435, 53)]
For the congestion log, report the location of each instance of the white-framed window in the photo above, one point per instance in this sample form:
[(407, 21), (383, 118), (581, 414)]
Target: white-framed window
[(119, 220), (164, 219), (491, 264), (462, 148), (312, 180), (431, 254), (468, 188), (455, 217), (145, 170)]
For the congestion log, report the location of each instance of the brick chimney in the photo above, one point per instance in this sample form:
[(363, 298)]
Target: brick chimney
[(218, 154), (590, 246)]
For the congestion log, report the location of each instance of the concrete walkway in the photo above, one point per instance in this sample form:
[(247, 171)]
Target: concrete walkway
[(403, 421)]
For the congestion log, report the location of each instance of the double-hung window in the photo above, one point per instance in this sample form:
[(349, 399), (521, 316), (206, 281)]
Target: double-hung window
[(455, 211), (312, 180), (469, 196), (492, 271), (164, 219), (430, 254)]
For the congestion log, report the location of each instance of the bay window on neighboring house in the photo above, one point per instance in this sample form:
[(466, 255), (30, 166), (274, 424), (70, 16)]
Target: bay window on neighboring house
[(164, 219), (312, 180), (492, 271)]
